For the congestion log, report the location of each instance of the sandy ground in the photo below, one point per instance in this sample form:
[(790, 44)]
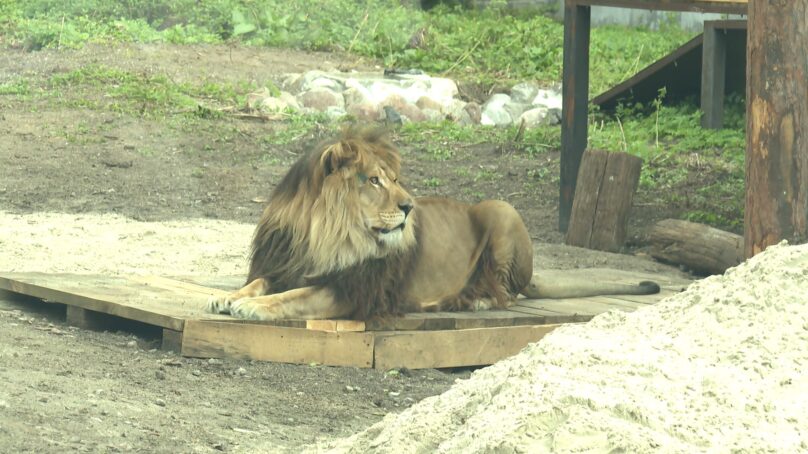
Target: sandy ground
[(66, 389), (722, 367)]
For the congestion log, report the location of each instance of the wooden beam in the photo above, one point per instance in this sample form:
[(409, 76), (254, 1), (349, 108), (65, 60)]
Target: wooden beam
[(213, 339), (468, 347), (575, 97), (777, 125), (701, 6), (86, 319), (713, 76), (172, 340)]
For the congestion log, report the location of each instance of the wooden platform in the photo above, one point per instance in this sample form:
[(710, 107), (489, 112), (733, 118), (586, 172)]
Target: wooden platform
[(425, 340)]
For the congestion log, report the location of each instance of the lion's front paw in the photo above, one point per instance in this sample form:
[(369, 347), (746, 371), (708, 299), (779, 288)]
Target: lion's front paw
[(220, 304), (246, 308)]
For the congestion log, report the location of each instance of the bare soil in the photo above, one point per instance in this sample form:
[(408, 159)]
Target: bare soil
[(66, 389)]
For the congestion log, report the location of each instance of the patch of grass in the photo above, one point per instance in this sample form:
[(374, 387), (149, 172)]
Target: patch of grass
[(296, 127), (494, 45), (485, 175), (19, 87), (680, 157), (432, 182), (142, 93)]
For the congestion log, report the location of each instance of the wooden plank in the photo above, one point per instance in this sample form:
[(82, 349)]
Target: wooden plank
[(713, 76), (644, 300), (704, 6), (609, 98), (550, 317), (336, 325), (176, 286), (496, 318), (581, 306), (110, 295), (575, 102), (226, 283), (213, 339), (468, 347)]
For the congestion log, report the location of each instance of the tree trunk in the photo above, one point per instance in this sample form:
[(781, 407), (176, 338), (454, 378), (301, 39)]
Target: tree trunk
[(777, 124), (701, 248)]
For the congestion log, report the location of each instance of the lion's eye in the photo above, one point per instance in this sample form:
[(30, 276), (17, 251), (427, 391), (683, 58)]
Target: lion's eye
[(374, 181)]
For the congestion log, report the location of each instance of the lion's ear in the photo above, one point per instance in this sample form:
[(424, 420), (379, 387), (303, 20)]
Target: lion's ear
[(337, 156)]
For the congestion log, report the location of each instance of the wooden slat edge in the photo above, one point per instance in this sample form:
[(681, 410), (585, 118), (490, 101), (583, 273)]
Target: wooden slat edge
[(453, 348), (91, 303), (211, 339)]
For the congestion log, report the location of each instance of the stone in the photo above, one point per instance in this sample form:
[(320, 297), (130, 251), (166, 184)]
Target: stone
[(356, 95), (320, 79), (433, 115), (425, 102), (365, 111), (271, 104), (524, 92), (494, 112), (474, 112), (254, 99), (515, 109), (324, 82), (335, 112), (412, 112), (536, 116), (320, 99), (548, 98), (290, 100), (442, 89)]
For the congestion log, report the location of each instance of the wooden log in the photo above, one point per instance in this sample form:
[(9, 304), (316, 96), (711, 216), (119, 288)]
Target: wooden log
[(777, 125), (701, 248), (605, 191)]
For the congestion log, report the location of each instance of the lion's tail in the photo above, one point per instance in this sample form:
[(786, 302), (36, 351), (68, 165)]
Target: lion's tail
[(578, 288)]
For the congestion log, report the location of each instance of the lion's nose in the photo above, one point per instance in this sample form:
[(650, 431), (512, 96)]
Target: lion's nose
[(406, 206)]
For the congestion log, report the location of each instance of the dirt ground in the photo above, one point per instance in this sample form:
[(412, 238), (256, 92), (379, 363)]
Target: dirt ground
[(66, 389)]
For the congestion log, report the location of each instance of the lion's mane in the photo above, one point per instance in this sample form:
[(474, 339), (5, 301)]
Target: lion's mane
[(312, 231)]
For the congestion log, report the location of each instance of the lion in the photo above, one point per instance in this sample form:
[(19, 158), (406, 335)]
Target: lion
[(341, 238)]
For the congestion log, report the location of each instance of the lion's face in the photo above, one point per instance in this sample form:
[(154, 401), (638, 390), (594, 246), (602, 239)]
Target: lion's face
[(387, 208)]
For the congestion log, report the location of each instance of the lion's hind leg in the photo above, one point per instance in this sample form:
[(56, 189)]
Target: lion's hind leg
[(222, 304), (504, 261)]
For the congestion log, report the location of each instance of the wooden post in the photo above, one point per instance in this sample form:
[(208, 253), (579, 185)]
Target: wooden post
[(606, 186), (777, 124), (575, 93), (713, 75)]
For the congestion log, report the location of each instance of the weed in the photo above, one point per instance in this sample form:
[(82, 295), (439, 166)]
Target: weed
[(431, 182)]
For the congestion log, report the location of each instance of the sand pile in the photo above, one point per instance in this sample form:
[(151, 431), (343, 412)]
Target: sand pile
[(721, 367)]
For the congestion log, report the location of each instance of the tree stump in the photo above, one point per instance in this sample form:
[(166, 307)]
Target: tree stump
[(701, 248), (603, 197), (777, 125)]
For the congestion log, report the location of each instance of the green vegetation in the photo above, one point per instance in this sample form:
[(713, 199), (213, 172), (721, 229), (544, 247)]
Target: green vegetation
[(492, 47), (675, 147)]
